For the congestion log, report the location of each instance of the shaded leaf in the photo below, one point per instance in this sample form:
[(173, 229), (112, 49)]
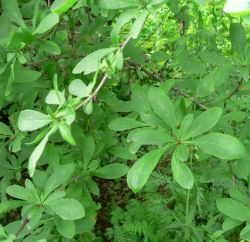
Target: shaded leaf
[(140, 172), (121, 124), (162, 105), (112, 171), (58, 177)]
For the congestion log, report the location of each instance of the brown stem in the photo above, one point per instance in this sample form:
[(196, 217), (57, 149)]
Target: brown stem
[(94, 94), (237, 88), (22, 227), (175, 89)]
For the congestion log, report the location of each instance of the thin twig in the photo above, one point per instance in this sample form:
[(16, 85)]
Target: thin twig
[(22, 227), (125, 42), (237, 88), (94, 94), (175, 89)]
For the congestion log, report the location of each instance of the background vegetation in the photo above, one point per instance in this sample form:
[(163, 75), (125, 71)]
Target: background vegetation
[(124, 120)]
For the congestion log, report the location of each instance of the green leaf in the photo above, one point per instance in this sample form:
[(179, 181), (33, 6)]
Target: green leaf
[(230, 223), (88, 108), (19, 192), (88, 148), (206, 121), (30, 120), (182, 173), (140, 172), (90, 63), (66, 133), (34, 216), (26, 75), (111, 171), (182, 152), (122, 152), (5, 207), (5, 130), (61, 6), (54, 196), (162, 105), (65, 228), (185, 125), (149, 136), (245, 233), (58, 177), (50, 47), (119, 60), (78, 88), (233, 209), (11, 10), (238, 37), (221, 145), (137, 26), (209, 83), (241, 168), (116, 4), (121, 124), (47, 23), (67, 208), (37, 152), (11, 78), (123, 19), (55, 98)]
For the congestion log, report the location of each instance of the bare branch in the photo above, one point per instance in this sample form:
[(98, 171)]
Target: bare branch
[(175, 89)]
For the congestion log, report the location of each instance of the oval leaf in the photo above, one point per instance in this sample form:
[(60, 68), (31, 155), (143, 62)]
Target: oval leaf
[(67, 209), (121, 124), (65, 228), (221, 145), (66, 133), (182, 173), (90, 63), (19, 192), (58, 177), (162, 105), (47, 23), (139, 173), (30, 120), (233, 209), (205, 122), (112, 171)]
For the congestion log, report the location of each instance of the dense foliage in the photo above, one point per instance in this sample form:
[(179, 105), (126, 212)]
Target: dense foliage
[(124, 120)]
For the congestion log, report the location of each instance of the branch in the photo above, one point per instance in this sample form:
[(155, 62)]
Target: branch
[(22, 227), (94, 94), (175, 89), (237, 88)]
